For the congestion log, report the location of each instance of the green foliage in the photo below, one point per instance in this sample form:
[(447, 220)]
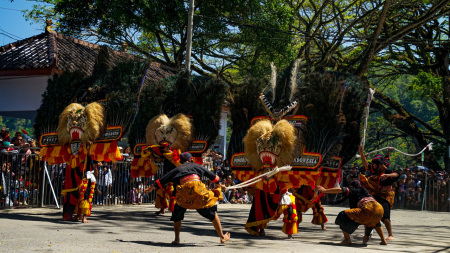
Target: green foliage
[(16, 125), (235, 39), (425, 86), (399, 87), (227, 34)]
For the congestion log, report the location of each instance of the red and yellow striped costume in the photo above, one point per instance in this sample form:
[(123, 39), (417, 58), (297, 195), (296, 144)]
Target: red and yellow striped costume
[(144, 166), (304, 200), (75, 183)]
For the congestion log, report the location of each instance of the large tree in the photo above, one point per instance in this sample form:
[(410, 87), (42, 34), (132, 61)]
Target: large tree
[(227, 34), (423, 54), (234, 39)]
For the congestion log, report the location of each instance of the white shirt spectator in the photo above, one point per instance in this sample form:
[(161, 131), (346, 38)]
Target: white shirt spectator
[(105, 176)]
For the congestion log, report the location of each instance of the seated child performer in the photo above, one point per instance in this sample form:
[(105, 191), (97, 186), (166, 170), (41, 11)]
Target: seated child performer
[(365, 210), (379, 184), (290, 218), (191, 193), (306, 198)]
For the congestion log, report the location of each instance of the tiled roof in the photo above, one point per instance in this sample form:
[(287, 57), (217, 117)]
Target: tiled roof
[(64, 53), (31, 53)]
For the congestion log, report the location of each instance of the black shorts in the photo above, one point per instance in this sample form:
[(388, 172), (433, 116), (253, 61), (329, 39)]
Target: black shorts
[(345, 223), (209, 213), (386, 207)]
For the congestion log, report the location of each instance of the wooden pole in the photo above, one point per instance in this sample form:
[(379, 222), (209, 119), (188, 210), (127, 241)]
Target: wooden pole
[(189, 36)]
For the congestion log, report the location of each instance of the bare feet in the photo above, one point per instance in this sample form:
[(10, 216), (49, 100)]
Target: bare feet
[(323, 227), (289, 236), (84, 220), (176, 242), (383, 242), (366, 239), (345, 242), (225, 238), (390, 238), (262, 232), (160, 212)]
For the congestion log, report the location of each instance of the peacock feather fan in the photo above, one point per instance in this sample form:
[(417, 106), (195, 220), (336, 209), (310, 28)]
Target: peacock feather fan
[(334, 103), (200, 97), (115, 81), (244, 105)]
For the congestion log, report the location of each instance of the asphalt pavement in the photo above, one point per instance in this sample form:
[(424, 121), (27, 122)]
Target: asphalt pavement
[(137, 229)]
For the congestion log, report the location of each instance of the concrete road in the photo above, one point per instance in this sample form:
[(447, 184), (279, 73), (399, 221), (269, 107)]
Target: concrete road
[(137, 229)]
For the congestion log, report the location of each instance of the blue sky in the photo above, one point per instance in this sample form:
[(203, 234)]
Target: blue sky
[(13, 24)]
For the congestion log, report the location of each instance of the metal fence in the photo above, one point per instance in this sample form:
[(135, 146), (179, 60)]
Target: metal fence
[(26, 181), (20, 176), (433, 194)]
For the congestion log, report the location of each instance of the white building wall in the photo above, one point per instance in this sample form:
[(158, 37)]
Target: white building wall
[(22, 93)]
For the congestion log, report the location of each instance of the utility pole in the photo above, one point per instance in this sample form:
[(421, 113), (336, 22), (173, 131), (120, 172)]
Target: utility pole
[(189, 36)]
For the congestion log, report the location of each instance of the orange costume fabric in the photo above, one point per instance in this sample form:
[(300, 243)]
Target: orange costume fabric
[(368, 212), (75, 182), (144, 166), (85, 202), (264, 209), (163, 196), (265, 205), (371, 183), (304, 200), (194, 195)]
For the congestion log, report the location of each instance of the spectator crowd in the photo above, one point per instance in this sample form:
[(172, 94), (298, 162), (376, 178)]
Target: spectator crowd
[(17, 177), (214, 161), (417, 186), (410, 187)]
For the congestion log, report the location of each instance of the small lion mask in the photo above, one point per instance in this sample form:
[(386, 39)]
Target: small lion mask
[(177, 132), (270, 144), (79, 123)]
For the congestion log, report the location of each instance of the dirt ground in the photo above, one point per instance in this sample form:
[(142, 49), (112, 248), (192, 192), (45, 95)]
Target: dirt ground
[(137, 229)]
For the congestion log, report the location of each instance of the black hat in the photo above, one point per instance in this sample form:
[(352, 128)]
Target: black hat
[(185, 157)]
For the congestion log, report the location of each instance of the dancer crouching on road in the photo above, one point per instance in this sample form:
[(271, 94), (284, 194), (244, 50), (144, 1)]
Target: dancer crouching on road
[(191, 193), (379, 184), (365, 210)]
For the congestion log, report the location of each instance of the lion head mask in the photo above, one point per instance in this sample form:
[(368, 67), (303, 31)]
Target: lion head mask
[(81, 124), (177, 132), (269, 144)]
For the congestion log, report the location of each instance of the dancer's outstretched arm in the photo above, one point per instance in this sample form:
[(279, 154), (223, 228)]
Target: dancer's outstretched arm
[(363, 157), (335, 190)]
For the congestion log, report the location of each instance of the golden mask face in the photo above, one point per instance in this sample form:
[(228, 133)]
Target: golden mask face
[(76, 123), (177, 132), (166, 134), (268, 148), (80, 123), (270, 144)]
